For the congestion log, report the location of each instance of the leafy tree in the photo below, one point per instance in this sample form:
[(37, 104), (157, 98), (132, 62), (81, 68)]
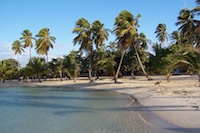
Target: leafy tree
[(58, 67), (187, 25), (161, 32), (17, 48), (141, 44), (191, 57), (27, 40), (37, 66), (8, 69), (72, 64), (125, 30), (87, 35), (44, 42)]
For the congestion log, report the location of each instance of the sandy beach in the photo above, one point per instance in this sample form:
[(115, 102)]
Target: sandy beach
[(176, 102)]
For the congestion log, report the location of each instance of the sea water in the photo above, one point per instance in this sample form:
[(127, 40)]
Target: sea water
[(64, 110)]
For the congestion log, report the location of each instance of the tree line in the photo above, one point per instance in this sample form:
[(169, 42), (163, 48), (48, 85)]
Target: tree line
[(127, 55)]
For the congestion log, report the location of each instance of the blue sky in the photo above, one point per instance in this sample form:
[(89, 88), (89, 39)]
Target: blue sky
[(60, 17)]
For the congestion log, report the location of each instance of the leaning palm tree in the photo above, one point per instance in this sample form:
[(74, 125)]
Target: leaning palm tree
[(141, 43), (27, 40), (17, 48), (87, 35), (44, 42), (125, 30), (161, 32)]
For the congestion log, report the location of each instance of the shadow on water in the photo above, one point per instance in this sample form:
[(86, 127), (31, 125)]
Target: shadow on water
[(185, 130)]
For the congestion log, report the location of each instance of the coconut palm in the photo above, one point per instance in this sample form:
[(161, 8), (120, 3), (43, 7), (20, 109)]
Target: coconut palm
[(84, 38), (17, 48), (72, 64), (44, 42), (141, 43), (197, 8), (187, 25), (99, 33), (59, 67), (161, 32), (87, 35), (27, 40), (125, 30), (37, 65), (191, 57), (8, 69)]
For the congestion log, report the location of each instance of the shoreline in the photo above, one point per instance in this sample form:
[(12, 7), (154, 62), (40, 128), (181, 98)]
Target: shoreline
[(176, 102)]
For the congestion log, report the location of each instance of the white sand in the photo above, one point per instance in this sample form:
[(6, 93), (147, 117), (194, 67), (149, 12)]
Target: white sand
[(177, 102)]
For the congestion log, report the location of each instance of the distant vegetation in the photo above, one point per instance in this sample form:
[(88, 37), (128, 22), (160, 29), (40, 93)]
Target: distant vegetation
[(125, 56)]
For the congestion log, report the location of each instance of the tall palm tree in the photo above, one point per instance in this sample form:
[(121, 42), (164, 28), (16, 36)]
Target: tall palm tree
[(84, 38), (17, 48), (125, 30), (161, 32), (87, 35), (27, 40), (99, 33), (44, 42), (187, 25), (141, 43)]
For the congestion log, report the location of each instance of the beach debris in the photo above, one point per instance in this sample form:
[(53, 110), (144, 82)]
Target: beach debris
[(157, 83)]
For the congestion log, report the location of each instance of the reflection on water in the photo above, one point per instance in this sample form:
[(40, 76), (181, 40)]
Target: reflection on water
[(60, 110)]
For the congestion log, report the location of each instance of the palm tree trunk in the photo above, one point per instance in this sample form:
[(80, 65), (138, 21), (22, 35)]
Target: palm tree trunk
[(199, 79), (90, 67), (119, 66), (167, 77), (141, 65), (60, 72), (47, 57), (30, 52)]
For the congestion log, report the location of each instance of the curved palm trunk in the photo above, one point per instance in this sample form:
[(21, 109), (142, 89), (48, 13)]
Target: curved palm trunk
[(119, 66), (141, 65)]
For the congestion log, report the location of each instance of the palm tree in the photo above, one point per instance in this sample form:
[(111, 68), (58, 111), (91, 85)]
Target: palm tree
[(37, 65), (107, 64), (72, 64), (84, 38), (192, 58), (87, 36), (8, 69), (187, 25), (125, 30), (161, 32), (17, 48), (99, 33), (176, 38), (44, 42), (141, 43), (59, 67), (27, 40), (197, 8)]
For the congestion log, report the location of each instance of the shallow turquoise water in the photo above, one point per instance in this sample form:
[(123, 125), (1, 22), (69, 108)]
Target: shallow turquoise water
[(61, 110)]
